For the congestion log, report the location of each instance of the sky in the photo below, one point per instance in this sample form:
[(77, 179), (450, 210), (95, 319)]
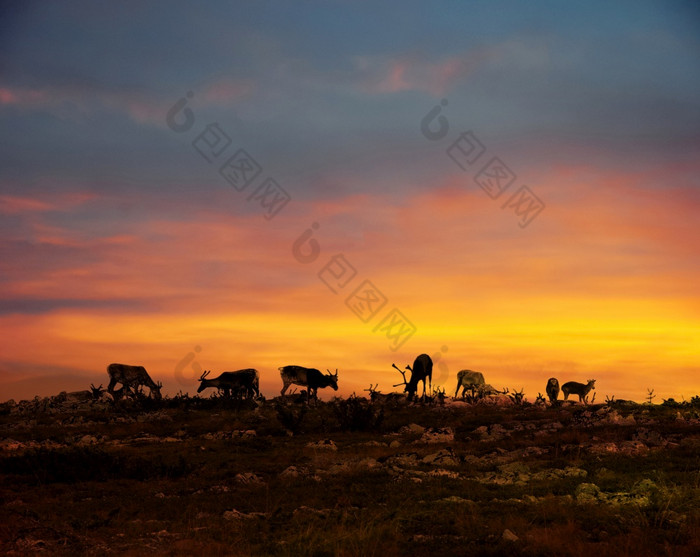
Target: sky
[(509, 187)]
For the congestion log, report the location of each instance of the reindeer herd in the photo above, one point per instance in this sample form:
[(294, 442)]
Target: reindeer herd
[(245, 384)]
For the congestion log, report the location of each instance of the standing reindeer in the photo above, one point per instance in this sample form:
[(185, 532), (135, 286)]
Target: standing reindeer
[(308, 377), (572, 387), (552, 390), (422, 370)]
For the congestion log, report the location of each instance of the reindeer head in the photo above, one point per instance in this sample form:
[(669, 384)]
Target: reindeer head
[(409, 387), (333, 379), (373, 392), (96, 391), (202, 381)]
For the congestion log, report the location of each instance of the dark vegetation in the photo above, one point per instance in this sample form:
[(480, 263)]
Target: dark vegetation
[(221, 476)]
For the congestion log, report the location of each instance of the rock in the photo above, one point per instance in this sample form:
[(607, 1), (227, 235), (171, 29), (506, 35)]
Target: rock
[(310, 511), (87, 440), (633, 448), (437, 435), (395, 444), (323, 444), (403, 460), (412, 428), (650, 437), (445, 457), (339, 468), (243, 434), (614, 417), (453, 499), (442, 473), (291, 473), (369, 463), (509, 536), (237, 515), (604, 448), (248, 478), (10, 445)]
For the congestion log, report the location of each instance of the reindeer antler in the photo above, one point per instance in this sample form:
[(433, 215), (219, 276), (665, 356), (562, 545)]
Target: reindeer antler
[(403, 374)]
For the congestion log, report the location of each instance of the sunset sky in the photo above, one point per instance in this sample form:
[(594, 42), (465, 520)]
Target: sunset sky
[(543, 220)]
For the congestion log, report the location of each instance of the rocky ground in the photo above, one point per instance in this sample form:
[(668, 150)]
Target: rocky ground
[(190, 476)]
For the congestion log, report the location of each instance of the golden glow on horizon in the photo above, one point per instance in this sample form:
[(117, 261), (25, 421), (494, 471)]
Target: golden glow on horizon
[(599, 294)]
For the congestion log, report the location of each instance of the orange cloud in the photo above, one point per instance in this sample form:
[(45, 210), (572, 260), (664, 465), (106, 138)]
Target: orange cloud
[(600, 285)]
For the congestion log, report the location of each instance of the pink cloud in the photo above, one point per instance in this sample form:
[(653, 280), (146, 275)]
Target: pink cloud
[(414, 73), (226, 91), (22, 97), (10, 205)]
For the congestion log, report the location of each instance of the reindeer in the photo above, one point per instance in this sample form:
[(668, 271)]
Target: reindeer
[(132, 378), (96, 391), (516, 396), (310, 378), (467, 378), (572, 387), (244, 382), (552, 390), (422, 370), (376, 396), (439, 395), (87, 395)]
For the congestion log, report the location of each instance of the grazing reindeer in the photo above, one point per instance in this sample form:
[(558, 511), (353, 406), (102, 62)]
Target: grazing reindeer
[(132, 378), (376, 396), (244, 382), (74, 397), (552, 390), (572, 387), (468, 378), (307, 377), (422, 370)]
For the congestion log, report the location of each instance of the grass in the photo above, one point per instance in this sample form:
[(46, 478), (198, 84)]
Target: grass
[(165, 478)]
